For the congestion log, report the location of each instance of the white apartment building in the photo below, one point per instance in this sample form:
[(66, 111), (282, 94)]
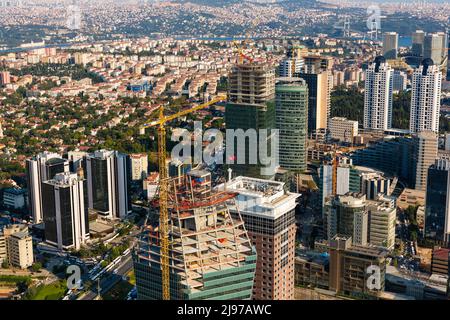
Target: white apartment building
[(426, 98), (378, 95), (139, 166)]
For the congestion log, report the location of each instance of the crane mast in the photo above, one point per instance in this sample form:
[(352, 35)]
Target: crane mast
[(164, 188)]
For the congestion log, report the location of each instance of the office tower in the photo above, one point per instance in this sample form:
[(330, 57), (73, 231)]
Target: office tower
[(250, 106), (435, 47), (16, 246), (418, 39), (347, 216), (380, 156), (41, 168), (139, 166), (343, 129), (390, 45), (291, 103), (382, 216), (399, 81), (5, 78), (108, 178), (342, 268), (211, 256), (374, 184), (437, 205), (76, 159), (349, 267), (378, 95), (269, 215), (337, 179), (66, 213), (425, 156), (425, 98), (318, 99), (292, 64), (317, 63)]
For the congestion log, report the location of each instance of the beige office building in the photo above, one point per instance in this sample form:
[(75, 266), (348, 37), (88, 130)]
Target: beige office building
[(382, 213), (16, 246), (20, 250), (427, 147), (343, 129)]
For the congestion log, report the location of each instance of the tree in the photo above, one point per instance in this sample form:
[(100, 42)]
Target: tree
[(5, 264), (36, 267), (348, 103)]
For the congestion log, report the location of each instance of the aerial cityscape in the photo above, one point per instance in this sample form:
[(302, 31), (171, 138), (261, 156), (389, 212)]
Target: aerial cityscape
[(224, 150)]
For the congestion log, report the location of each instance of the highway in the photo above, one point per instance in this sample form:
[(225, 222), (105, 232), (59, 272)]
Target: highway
[(108, 281)]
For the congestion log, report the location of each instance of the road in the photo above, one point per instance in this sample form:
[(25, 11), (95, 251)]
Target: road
[(108, 281)]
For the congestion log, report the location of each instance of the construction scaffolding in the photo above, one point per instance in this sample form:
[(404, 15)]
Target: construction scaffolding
[(210, 253)]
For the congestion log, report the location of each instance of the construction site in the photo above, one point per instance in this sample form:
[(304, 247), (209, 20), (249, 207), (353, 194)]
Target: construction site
[(210, 255)]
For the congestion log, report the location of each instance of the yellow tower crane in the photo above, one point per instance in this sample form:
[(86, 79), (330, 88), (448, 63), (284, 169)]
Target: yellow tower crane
[(164, 187)]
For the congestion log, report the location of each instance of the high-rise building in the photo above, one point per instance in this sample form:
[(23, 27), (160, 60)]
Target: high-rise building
[(426, 98), (435, 47), (108, 179), (382, 217), (291, 103), (380, 156), (319, 86), (374, 184), (76, 159), (418, 39), (425, 156), (16, 246), (343, 268), (292, 64), (317, 63), (378, 95), (399, 81), (343, 129), (344, 176), (269, 215), (251, 106), (41, 168), (349, 267), (139, 166), (390, 45), (437, 205), (66, 218), (210, 252), (347, 216)]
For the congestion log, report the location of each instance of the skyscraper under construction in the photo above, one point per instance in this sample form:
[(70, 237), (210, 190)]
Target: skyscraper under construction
[(210, 256), (251, 106)]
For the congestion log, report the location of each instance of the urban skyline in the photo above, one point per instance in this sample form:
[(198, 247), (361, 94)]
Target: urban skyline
[(255, 150)]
